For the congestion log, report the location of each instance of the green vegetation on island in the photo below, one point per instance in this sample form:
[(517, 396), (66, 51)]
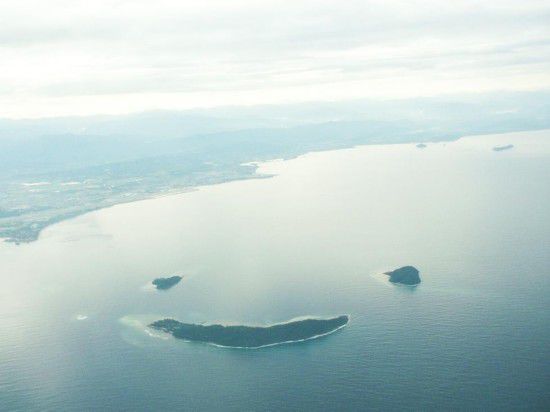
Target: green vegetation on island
[(251, 336), (166, 283), (407, 275)]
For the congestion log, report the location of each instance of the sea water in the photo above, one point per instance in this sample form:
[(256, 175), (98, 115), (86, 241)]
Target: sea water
[(313, 240)]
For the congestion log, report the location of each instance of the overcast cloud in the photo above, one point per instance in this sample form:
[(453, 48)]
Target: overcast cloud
[(85, 57)]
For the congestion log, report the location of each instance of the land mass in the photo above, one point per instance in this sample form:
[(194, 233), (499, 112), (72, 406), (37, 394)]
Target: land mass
[(166, 283), (421, 146), (407, 275), (502, 148), (251, 336), (109, 160)]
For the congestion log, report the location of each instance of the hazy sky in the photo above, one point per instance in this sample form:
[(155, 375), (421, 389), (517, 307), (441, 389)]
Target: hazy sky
[(84, 57)]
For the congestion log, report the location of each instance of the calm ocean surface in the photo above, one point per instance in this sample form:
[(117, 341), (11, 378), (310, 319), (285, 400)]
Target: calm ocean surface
[(310, 241)]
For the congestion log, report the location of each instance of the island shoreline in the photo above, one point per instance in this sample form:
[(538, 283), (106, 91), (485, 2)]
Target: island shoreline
[(293, 320)]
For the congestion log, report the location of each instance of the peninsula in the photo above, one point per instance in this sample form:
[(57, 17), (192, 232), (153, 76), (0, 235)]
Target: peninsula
[(166, 283), (251, 337), (407, 275)]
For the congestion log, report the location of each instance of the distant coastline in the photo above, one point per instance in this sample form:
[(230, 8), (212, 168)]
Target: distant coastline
[(24, 226)]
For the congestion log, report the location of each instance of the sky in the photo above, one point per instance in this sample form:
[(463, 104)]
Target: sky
[(74, 57)]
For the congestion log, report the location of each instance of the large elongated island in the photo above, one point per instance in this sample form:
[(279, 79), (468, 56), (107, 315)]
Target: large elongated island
[(252, 336)]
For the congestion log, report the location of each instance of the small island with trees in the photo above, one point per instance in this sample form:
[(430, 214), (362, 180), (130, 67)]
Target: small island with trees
[(407, 275), (166, 283)]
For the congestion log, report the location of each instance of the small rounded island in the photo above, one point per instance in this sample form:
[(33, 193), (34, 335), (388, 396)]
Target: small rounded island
[(406, 275), (166, 283)]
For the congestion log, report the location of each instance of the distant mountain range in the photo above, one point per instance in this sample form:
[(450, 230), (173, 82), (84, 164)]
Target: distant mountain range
[(86, 163)]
